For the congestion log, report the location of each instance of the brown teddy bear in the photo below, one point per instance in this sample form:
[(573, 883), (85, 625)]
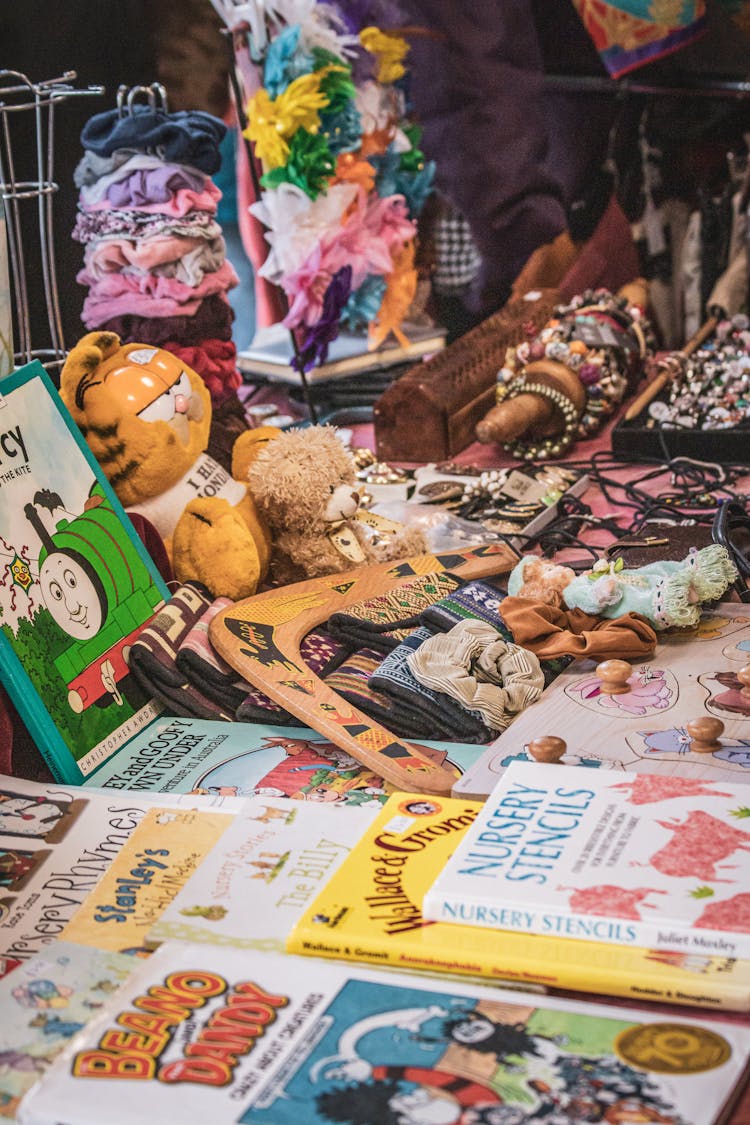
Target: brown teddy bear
[(304, 484), (146, 417)]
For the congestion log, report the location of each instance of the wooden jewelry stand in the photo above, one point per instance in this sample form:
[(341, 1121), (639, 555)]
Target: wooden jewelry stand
[(260, 638)]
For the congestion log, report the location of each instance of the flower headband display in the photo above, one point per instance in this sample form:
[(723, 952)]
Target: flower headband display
[(343, 178)]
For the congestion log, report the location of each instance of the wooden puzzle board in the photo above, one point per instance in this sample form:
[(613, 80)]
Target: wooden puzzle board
[(642, 730)]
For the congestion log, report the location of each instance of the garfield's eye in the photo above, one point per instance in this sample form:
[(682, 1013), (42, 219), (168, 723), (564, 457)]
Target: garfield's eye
[(331, 488), (182, 386), (160, 410)]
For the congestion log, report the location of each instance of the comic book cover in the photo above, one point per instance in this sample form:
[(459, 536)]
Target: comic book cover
[(48, 1000), (650, 860), (76, 585), (182, 755), (162, 853), (228, 1035), (56, 843), (370, 910), (258, 878)]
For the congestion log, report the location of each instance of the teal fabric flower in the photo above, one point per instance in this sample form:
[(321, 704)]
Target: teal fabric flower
[(363, 304), (284, 61), (343, 130)]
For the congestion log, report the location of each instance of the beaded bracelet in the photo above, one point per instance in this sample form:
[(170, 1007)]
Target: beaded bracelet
[(549, 447), (603, 370)]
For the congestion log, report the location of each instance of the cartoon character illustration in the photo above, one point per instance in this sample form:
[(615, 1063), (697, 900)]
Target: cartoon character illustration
[(210, 913), (23, 1062), (651, 690), (409, 1095), (731, 701), (42, 994), (16, 867), (481, 1033), (21, 815), (645, 788), (676, 740), (610, 901), (697, 846), (729, 914), (92, 581), (55, 1025)]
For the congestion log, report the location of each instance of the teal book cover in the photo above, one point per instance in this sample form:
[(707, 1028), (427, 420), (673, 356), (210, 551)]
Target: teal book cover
[(76, 585), (204, 756)]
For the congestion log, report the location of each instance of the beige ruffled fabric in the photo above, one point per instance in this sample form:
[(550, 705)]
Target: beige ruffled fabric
[(472, 665)]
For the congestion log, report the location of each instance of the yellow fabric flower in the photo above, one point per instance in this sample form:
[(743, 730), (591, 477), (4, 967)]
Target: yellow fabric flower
[(389, 50), (272, 122)]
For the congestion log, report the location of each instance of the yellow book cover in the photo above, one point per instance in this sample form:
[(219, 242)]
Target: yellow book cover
[(158, 859), (371, 910)]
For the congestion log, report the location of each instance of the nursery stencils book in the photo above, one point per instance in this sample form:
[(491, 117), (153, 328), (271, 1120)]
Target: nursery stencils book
[(45, 1002), (656, 861), (199, 1033), (76, 585), (257, 879), (370, 910)]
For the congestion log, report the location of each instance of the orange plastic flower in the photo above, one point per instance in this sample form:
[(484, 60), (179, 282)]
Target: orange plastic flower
[(351, 169), (400, 291)]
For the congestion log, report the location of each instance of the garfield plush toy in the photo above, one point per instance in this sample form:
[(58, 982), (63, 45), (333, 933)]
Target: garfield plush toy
[(304, 484), (146, 417)]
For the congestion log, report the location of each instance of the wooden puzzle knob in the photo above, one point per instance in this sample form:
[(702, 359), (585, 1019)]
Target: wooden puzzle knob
[(705, 733), (547, 749), (614, 675), (744, 677)]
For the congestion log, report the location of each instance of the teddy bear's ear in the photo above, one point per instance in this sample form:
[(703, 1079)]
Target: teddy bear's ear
[(81, 366)]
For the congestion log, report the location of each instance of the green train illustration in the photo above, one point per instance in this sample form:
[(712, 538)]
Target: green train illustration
[(98, 590)]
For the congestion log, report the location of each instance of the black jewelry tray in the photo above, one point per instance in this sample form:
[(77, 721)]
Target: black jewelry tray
[(634, 441)]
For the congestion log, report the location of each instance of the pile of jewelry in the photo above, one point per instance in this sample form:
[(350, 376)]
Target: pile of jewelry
[(601, 338), (493, 497), (710, 389)]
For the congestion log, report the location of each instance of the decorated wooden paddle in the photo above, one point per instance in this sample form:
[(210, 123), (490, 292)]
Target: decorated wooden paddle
[(260, 638)]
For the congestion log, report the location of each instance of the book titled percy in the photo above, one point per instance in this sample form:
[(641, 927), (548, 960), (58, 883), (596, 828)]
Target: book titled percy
[(654, 861)]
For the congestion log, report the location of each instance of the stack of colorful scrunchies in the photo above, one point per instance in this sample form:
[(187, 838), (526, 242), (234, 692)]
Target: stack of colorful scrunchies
[(155, 263)]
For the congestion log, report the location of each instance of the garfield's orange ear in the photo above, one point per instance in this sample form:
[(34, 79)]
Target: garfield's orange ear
[(80, 368)]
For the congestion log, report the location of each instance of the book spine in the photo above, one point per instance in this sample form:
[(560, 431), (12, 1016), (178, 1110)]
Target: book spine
[(719, 993), (35, 716), (643, 933)]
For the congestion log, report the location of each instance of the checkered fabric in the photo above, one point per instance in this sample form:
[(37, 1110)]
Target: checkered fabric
[(457, 259)]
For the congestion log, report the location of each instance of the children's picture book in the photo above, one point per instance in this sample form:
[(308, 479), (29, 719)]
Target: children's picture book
[(252, 886), (76, 585), (56, 843), (45, 1002), (199, 1033), (646, 860), (162, 853), (644, 729), (370, 910), (180, 755)]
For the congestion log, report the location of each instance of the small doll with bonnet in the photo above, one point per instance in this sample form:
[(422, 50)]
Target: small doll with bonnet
[(670, 594)]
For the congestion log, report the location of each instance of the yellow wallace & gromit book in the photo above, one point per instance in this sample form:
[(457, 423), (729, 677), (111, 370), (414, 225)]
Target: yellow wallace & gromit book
[(371, 910)]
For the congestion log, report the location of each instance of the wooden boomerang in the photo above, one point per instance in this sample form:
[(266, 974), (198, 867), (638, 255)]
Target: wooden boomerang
[(260, 638)]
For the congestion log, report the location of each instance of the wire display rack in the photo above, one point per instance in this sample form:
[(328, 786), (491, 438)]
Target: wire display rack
[(27, 111)]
